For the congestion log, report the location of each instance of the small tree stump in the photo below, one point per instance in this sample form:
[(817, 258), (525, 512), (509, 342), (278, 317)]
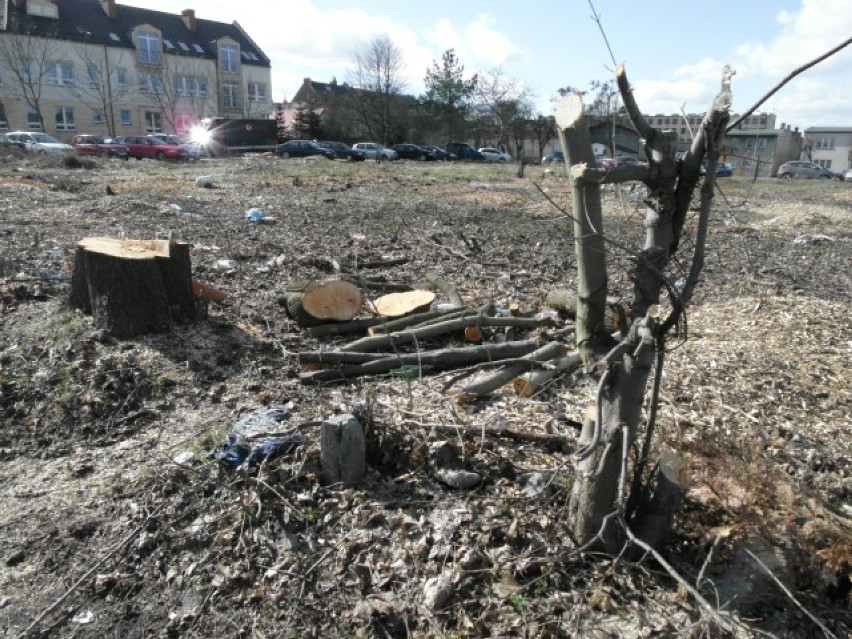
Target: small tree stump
[(133, 287), (343, 450)]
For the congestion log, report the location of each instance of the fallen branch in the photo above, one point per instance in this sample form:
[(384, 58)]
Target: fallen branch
[(505, 374), (393, 340), (420, 319), (526, 385), (384, 363), (443, 286)]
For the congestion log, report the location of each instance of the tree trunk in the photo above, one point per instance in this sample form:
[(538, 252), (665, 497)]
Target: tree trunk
[(601, 471), (588, 231), (133, 287)]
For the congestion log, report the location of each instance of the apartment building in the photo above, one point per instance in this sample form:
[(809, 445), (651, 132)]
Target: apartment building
[(829, 146), (94, 66), (686, 125)]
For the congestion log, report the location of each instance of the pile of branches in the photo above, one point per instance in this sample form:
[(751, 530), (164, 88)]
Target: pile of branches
[(526, 348)]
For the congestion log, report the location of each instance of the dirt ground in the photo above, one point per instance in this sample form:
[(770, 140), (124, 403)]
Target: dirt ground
[(117, 522)]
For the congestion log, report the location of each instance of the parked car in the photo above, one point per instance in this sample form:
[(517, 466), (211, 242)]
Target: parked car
[(372, 149), (723, 169), (100, 145), (848, 175), (144, 146), (38, 142), (554, 156), (803, 169), (343, 151), (494, 155), (302, 149), (620, 160), (194, 150), (464, 151), (439, 153), (413, 152)]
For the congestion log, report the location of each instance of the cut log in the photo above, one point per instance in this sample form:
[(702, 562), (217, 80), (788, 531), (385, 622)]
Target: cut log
[(321, 302), (403, 303), (133, 287)]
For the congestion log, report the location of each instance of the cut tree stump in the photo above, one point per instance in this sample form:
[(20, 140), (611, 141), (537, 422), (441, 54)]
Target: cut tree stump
[(133, 287), (343, 450), (403, 303), (321, 302)]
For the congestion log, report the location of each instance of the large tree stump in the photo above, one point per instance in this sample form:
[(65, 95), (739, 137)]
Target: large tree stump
[(317, 303), (133, 287)]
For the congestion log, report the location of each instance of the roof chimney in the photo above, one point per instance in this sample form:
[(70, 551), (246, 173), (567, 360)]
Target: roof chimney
[(188, 16), (109, 8)]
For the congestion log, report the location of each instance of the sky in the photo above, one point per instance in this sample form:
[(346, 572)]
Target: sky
[(673, 50)]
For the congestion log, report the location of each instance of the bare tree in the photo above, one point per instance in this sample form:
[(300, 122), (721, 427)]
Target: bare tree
[(505, 99), (182, 90), (544, 128), (599, 494), (377, 80), (28, 61), (100, 90)]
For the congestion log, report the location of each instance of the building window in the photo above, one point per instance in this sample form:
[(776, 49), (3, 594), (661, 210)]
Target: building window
[(65, 119), (4, 123), (825, 143), (200, 87), (256, 92), (826, 164), (183, 85), (59, 73), (94, 76), (125, 117), (149, 83), (755, 143), (97, 117), (228, 58), (153, 122), (148, 47), (33, 120), (121, 76), (230, 95)]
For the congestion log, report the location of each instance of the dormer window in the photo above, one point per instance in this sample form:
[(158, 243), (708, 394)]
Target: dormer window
[(42, 9), (148, 47), (228, 58)]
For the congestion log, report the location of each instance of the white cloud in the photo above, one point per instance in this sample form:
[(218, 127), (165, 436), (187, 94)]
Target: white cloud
[(477, 44)]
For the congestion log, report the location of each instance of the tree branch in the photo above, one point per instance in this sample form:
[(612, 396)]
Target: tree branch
[(784, 81)]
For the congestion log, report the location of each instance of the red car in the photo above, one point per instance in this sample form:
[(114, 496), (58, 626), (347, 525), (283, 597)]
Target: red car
[(146, 146), (99, 145)]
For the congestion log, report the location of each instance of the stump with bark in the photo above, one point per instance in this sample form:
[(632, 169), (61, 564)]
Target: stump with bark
[(133, 287)]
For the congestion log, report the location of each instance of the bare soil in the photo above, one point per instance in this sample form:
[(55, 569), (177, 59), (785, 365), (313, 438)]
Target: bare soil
[(116, 522)]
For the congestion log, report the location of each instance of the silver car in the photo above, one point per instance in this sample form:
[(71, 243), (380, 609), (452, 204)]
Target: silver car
[(38, 142), (371, 150), (804, 169)]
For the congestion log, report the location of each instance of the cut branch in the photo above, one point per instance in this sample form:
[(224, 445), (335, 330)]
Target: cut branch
[(435, 360)]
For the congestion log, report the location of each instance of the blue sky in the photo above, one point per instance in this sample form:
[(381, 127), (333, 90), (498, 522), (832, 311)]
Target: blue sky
[(673, 51)]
